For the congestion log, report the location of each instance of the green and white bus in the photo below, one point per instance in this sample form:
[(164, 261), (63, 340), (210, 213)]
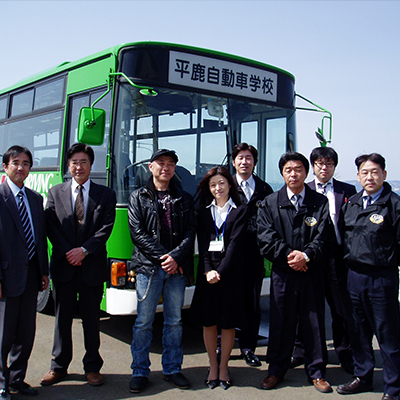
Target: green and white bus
[(132, 99)]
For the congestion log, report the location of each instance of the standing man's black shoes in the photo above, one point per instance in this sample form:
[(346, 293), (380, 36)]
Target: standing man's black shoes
[(138, 384), (354, 386), (250, 358), (178, 380), (296, 362)]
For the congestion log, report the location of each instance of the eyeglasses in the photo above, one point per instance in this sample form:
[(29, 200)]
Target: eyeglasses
[(82, 163), (321, 165), (17, 164)]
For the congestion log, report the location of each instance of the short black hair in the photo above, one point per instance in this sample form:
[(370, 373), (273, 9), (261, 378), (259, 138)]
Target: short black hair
[(324, 152), (15, 151), (374, 157), (293, 156), (244, 146), (81, 148)]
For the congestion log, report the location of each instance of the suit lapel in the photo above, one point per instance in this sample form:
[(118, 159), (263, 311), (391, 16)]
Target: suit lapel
[(11, 204), (93, 200), (66, 202), (339, 197)]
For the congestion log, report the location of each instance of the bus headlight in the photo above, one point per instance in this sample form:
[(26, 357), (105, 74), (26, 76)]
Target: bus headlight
[(118, 274)]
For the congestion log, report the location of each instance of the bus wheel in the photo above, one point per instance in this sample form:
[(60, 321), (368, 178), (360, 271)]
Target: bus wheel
[(45, 302)]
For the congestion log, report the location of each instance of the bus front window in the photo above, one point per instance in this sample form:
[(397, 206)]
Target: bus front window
[(202, 129)]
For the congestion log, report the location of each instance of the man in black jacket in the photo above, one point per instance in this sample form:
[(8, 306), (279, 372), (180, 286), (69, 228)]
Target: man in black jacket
[(162, 227), (324, 161), (295, 233), (251, 190), (371, 250)]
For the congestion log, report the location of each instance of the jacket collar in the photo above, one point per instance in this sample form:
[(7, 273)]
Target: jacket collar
[(384, 197)]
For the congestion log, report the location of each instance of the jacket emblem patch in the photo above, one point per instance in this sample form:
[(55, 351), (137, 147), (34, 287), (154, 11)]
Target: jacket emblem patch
[(310, 221), (376, 218)]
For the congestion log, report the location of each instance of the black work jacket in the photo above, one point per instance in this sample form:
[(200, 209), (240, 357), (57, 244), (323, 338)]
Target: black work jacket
[(281, 229), (372, 236), (145, 229)]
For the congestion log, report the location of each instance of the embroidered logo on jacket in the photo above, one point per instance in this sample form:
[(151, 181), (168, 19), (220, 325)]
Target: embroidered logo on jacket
[(376, 218), (310, 221)]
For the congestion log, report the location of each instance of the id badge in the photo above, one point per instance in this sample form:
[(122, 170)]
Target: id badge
[(216, 245)]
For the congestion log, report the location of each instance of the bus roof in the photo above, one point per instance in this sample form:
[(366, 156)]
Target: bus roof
[(114, 51)]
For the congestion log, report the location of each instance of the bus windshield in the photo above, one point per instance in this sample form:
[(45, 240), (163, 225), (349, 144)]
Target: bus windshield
[(200, 128)]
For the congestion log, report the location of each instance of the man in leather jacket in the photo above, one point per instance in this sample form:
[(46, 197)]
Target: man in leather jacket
[(162, 228)]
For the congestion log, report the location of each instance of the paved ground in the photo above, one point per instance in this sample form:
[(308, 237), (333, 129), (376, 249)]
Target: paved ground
[(115, 350)]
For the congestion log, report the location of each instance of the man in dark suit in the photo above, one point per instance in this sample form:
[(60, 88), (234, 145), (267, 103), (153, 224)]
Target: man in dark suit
[(295, 233), (324, 161), (80, 216), (23, 272), (251, 190)]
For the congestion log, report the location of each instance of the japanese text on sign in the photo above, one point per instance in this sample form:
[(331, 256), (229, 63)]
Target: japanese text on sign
[(222, 76)]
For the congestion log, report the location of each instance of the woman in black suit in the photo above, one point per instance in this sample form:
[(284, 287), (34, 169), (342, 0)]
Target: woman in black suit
[(217, 302)]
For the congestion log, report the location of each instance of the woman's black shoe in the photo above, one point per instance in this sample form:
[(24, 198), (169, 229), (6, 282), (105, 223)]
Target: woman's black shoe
[(225, 384), (212, 383)]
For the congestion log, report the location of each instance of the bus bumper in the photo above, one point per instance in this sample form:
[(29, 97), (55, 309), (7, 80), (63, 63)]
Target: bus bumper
[(124, 301)]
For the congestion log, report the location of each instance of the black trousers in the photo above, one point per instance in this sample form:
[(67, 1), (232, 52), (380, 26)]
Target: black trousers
[(297, 298), (252, 285), (68, 298), (17, 329), (335, 280), (375, 306)]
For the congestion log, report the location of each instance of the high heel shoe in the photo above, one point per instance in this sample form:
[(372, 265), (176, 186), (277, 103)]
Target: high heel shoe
[(212, 383), (226, 384)]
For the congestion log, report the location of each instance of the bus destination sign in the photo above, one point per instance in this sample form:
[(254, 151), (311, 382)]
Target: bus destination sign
[(222, 76)]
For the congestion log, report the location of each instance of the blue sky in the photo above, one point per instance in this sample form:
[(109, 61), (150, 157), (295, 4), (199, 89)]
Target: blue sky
[(345, 55)]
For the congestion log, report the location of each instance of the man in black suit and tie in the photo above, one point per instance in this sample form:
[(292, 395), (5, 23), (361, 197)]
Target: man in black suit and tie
[(324, 161), (80, 216), (23, 270), (251, 190)]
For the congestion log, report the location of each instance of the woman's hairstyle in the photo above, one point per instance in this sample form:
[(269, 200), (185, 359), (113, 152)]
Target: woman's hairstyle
[(203, 193)]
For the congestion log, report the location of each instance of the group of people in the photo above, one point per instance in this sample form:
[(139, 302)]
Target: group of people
[(323, 239)]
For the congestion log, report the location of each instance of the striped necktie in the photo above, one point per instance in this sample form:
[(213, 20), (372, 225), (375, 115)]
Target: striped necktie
[(296, 200), (79, 215), (246, 190), (26, 223), (322, 187)]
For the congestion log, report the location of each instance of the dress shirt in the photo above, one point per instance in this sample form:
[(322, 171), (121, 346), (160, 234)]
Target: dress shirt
[(220, 214), (374, 197), (85, 192), (330, 195), (301, 194), (251, 184), (15, 190)]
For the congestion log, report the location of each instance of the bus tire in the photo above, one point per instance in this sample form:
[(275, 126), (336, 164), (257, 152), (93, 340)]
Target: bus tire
[(45, 302)]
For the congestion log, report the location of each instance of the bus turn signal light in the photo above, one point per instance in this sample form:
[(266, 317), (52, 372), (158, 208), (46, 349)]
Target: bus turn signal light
[(118, 273)]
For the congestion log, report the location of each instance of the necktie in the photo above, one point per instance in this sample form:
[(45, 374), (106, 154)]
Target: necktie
[(26, 223), (368, 201), (246, 190), (79, 214), (323, 186), (295, 200)]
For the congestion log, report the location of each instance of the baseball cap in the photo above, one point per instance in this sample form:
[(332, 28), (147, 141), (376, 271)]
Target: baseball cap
[(164, 152)]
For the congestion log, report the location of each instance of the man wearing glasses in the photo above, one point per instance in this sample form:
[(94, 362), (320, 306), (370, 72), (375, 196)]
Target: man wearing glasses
[(324, 161), (23, 270), (80, 216)]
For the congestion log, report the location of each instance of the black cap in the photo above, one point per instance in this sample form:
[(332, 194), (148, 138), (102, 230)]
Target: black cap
[(164, 152)]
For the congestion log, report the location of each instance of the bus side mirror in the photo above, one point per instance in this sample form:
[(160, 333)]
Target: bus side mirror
[(91, 126)]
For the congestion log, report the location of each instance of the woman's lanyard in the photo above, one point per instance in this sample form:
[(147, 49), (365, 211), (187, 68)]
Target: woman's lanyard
[(218, 243), (219, 237)]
